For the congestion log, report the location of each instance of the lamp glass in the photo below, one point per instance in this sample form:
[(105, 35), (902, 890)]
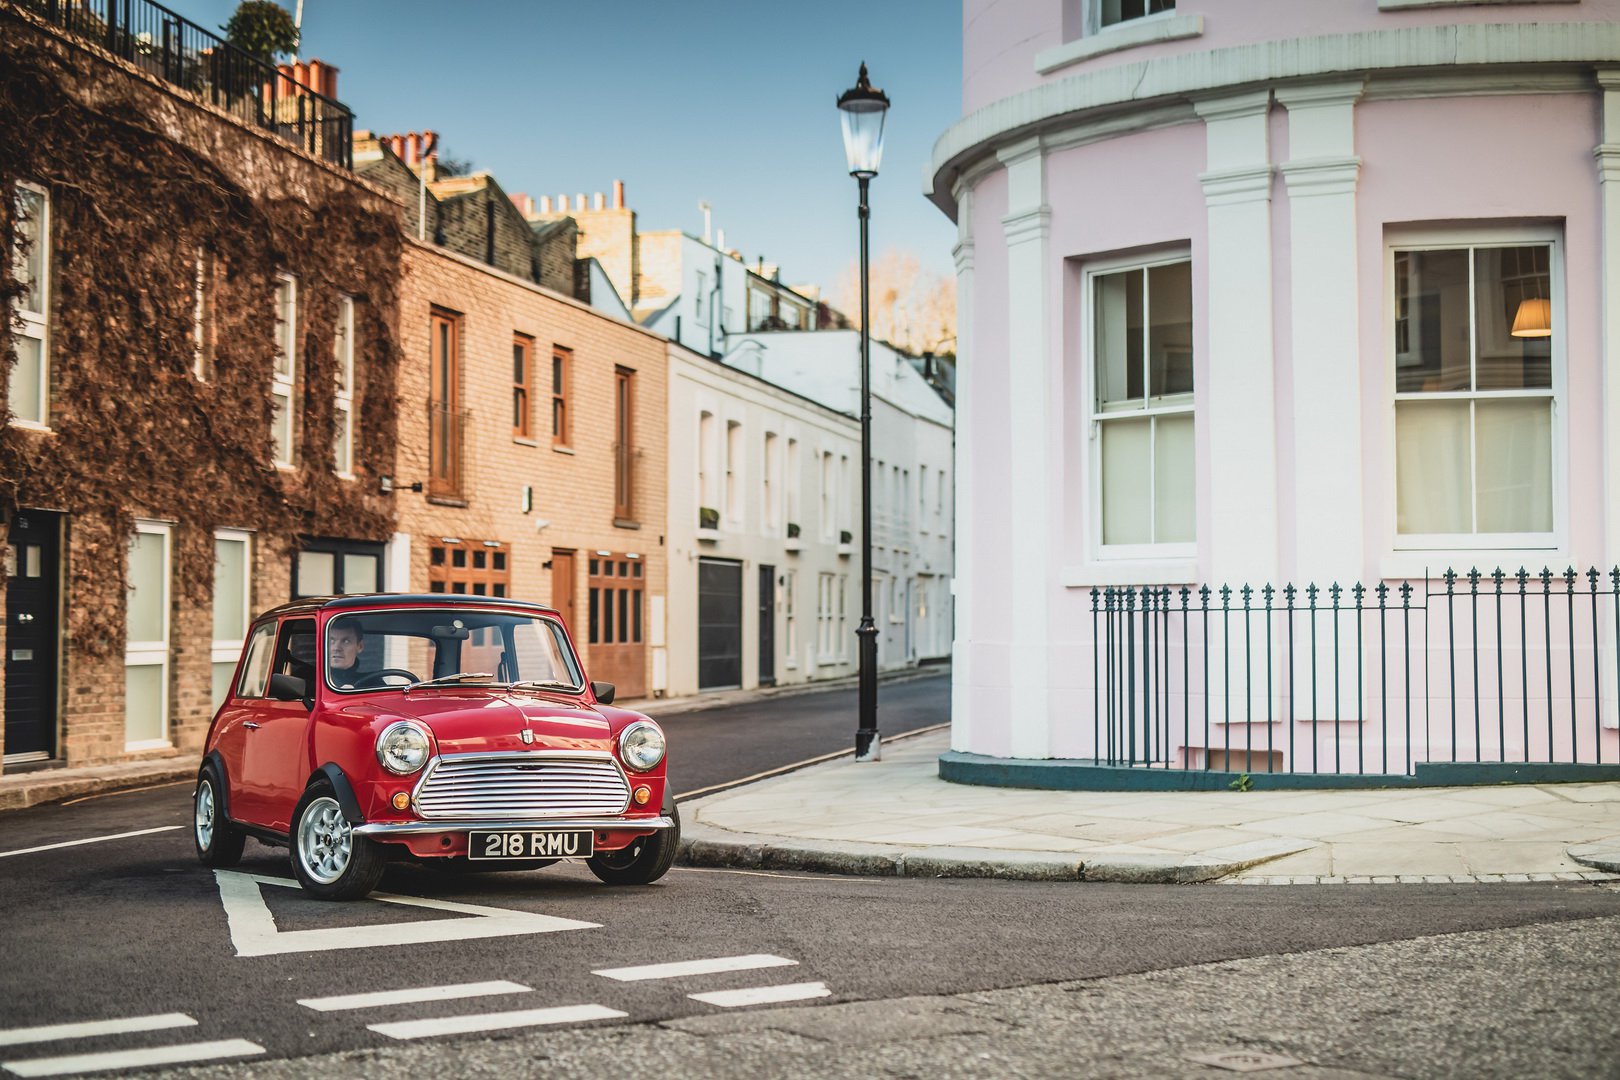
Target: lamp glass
[(863, 136)]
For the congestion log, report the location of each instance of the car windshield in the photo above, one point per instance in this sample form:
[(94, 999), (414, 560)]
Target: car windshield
[(373, 650)]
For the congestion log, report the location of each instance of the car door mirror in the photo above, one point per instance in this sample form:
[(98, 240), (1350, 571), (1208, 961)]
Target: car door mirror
[(286, 688), (603, 692)]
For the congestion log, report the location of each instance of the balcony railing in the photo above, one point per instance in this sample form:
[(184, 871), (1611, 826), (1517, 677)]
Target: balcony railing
[(447, 428), (209, 69), (1515, 672)]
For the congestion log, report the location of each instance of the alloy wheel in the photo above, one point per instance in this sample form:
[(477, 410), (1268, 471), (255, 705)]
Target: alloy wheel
[(325, 840)]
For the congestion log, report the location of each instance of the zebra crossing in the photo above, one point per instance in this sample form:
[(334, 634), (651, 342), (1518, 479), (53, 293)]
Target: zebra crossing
[(371, 1009)]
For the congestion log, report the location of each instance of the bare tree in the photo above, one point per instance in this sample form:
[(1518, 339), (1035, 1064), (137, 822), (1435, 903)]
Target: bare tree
[(912, 309)]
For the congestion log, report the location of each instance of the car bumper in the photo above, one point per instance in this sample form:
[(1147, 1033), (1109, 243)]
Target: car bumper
[(384, 830)]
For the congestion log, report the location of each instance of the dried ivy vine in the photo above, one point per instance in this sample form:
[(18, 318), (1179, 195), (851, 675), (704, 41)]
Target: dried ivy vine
[(136, 433)]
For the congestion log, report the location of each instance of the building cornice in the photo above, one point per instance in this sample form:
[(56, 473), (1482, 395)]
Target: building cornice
[(1064, 103), (1320, 176)]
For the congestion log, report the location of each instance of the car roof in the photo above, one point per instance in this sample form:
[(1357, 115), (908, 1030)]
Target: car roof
[(372, 601)]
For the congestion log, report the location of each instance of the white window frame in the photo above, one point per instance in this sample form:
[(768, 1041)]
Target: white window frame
[(229, 650), (733, 508), (36, 324), (791, 492), (770, 484), (1442, 548), (343, 393), (825, 647), (705, 461), (790, 596), (1095, 417), (284, 370), (829, 497), (922, 499), (199, 316), (155, 653), (843, 617), (1094, 23)]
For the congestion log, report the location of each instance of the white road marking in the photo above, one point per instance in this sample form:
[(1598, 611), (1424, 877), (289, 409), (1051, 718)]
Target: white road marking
[(406, 997), (461, 1025), (134, 1059), (90, 840), (254, 933), (90, 1028), (695, 967), (763, 995)]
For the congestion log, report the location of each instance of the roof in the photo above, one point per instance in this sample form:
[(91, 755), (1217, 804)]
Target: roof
[(311, 604)]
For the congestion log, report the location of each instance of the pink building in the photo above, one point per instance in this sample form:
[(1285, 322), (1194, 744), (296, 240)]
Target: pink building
[(1286, 291)]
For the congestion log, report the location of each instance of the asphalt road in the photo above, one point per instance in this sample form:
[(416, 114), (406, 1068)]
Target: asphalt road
[(894, 977)]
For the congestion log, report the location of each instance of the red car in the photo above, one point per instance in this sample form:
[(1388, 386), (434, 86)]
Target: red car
[(437, 727)]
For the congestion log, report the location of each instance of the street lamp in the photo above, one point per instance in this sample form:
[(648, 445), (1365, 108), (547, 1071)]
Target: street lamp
[(862, 109)]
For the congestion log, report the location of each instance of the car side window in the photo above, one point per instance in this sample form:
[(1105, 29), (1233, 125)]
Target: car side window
[(256, 672), (295, 650)]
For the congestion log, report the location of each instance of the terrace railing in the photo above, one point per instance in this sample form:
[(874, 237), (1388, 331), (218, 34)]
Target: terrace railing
[(210, 69), (1480, 669)]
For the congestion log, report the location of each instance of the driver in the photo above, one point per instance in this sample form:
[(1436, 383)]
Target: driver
[(344, 644)]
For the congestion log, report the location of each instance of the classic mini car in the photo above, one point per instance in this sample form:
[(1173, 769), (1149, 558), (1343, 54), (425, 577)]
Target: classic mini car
[(441, 727)]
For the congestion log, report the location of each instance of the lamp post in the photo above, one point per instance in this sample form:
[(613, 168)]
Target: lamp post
[(862, 109)]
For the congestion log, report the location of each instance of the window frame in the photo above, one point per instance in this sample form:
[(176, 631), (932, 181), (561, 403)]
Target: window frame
[(523, 389), (343, 393), (202, 315), (790, 614), (445, 435), (229, 650), (562, 372), (495, 576), (284, 383), (153, 652), (624, 445), (1094, 416), (1470, 240), (731, 497), (35, 325), (1095, 25)]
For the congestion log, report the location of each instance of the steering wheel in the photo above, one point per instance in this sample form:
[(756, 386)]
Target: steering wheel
[(375, 678)]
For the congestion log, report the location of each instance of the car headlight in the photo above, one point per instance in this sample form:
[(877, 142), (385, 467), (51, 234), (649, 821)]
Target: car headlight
[(641, 745), (402, 747)]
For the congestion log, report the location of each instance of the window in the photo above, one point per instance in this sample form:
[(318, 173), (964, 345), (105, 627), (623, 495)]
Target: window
[(829, 498), (343, 395), (337, 568), (939, 503), (522, 377), (232, 603), (793, 482), (29, 388), (624, 445), (843, 494), (922, 497), (825, 614), (1112, 12), (1142, 430), (285, 375), (708, 507), (698, 296), (1477, 330), (616, 584), (843, 620), (444, 406), (202, 315), (146, 646), (770, 481), (734, 509), (790, 590), (562, 374), (256, 670), (472, 567)]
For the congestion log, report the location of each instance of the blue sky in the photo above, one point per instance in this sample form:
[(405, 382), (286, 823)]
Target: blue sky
[(728, 101)]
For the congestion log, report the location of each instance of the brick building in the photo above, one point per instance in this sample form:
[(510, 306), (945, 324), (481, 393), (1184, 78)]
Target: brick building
[(199, 332), (536, 429)]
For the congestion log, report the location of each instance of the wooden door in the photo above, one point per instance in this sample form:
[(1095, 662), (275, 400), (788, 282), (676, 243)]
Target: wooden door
[(614, 650), (563, 589)]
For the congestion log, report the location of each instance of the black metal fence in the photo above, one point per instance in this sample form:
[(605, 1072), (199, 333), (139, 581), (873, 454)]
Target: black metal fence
[(1475, 668), (208, 68)]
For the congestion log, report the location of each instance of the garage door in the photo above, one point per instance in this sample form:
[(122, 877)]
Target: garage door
[(719, 624)]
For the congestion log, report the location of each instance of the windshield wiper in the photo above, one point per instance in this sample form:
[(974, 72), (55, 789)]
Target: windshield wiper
[(541, 684), (447, 679)]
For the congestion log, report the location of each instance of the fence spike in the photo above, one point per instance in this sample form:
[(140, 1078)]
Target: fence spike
[(1473, 580)]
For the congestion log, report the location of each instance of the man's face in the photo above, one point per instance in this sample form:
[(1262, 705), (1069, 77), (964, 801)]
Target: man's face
[(343, 647)]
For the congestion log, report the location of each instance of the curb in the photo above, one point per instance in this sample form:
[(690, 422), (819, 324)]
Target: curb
[(55, 785), (1603, 855), (706, 845), (657, 707)]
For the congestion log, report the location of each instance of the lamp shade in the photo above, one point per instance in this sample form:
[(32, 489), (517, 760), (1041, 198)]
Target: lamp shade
[(862, 109), (1533, 319)]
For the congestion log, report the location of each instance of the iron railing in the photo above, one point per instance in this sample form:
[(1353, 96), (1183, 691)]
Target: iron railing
[(210, 69), (1474, 668)]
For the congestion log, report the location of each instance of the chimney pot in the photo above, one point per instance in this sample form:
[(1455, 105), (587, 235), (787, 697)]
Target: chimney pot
[(545, 204), (599, 202), (618, 194), (413, 144), (396, 143), (579, 200)]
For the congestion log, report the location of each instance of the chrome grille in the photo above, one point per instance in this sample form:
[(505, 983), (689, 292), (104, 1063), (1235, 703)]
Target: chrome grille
[(519, 786)]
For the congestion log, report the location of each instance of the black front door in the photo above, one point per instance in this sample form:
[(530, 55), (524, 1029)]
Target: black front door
[(33, 562), (767, 626), (719, 624)]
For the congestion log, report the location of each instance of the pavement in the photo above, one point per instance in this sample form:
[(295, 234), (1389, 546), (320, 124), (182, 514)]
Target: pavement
[(897, 817)]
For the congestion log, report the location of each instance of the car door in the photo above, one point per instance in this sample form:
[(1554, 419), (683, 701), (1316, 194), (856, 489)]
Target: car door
[(242, 707), (275, 755)]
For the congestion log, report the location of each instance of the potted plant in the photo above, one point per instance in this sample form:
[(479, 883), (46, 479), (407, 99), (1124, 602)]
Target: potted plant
[(708, 517)]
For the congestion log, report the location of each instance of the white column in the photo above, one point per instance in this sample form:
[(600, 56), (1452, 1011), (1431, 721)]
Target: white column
[(1029, 431), (962, 480), (1238, 401), (1325, 350), (1608, 163)]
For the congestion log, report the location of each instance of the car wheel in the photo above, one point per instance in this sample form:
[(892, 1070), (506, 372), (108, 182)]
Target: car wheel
[(219, 843), (328, 859), (644, 861)]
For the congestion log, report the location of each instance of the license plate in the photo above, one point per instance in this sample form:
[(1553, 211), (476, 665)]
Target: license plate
[(527, 844)]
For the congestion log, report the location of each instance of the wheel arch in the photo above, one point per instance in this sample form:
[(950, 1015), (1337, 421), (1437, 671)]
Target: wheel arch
[(333, 774), (223, 792)]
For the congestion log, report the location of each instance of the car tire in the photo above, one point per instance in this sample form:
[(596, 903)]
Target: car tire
[(219, 842), (328, 859), (644, 861)]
